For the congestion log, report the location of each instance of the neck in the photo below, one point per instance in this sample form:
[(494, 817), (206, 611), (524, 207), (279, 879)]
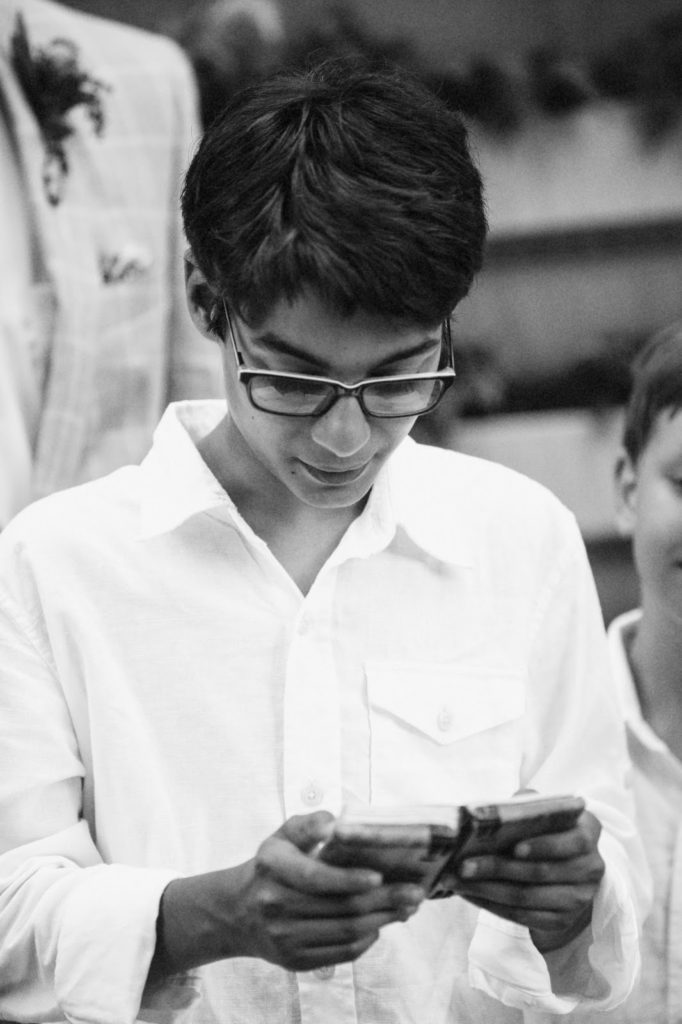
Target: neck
[(300, 536)]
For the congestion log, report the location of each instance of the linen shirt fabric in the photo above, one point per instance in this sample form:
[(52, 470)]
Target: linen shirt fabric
[(85, 385), (657, 784), (168, 697)]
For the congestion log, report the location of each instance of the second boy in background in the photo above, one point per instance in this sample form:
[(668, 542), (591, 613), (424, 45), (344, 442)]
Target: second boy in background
[(646, 654)]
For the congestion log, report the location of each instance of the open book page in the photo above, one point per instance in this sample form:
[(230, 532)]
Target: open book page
[(425, 843)]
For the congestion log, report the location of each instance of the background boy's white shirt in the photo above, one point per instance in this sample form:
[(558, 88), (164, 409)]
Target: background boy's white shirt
[(432, 586), (657, 785)]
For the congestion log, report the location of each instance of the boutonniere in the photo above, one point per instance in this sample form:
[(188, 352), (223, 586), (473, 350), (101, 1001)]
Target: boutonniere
[(54, 85)]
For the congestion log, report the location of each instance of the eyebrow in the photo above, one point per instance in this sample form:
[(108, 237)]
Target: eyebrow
[(275, 342)]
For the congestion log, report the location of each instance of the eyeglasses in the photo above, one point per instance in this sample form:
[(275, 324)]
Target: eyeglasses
[(300, 394)]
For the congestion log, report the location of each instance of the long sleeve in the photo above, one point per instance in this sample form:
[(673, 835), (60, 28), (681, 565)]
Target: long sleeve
[(76, 935), (578, 713)]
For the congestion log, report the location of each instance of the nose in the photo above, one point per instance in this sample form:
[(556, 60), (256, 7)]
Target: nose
[(343, 430)]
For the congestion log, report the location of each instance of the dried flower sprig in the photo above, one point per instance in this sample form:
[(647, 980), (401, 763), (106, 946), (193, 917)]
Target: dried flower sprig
[(53, 85)]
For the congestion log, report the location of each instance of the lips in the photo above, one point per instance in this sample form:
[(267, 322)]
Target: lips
[(335, 476)]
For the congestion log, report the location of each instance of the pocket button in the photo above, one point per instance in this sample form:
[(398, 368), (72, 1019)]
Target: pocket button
[(444, 719)]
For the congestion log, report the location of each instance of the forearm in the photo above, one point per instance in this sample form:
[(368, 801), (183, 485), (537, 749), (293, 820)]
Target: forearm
[(73, 932)]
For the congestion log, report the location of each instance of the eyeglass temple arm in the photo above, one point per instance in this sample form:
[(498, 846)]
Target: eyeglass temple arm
[(451, 345)]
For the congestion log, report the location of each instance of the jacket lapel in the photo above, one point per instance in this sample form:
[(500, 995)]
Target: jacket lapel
[(68, 249)]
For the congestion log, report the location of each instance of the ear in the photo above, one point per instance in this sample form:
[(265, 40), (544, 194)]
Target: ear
[(625, 473), (200, 298)]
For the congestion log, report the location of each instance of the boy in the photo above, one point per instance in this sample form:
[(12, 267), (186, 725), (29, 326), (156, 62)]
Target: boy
[(290, 606), (646, 654)]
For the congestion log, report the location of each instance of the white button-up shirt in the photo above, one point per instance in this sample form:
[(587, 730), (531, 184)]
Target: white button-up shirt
[(168, 697), (657, 783)]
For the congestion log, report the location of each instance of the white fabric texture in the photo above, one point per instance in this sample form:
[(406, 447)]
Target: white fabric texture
[(168, 697), (657, 785), (118, 346)]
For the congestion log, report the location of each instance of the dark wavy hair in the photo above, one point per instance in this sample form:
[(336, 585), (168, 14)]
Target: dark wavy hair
[(353, 182), (656, 387)]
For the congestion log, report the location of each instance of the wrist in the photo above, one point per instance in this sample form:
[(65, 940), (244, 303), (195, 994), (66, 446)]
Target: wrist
[(548, 942), (200, 922)]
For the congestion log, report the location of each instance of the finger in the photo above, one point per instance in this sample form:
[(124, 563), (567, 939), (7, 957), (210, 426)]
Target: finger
[(280, 859), (560, 845), (560, 899), (588, 868), (305, 831), (340, 931), (326, 956), (538, 920), (397, 900)]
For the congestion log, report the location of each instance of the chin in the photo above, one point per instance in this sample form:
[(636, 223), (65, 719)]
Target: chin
[(335, 497)]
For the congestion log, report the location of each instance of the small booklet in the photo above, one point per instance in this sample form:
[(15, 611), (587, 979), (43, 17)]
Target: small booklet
[(426, 843)]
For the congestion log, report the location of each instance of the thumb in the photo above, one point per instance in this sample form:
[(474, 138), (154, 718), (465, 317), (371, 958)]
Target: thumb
[(307, 830)]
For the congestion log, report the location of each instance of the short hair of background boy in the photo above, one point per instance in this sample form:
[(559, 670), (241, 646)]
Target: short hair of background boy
[(656, 387)]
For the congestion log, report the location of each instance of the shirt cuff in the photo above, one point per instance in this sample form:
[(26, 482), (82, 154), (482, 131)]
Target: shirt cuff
[(595, 971), (105, 943)]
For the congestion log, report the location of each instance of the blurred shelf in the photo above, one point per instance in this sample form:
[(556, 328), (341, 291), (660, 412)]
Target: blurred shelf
[(570, 451), (586, 241)]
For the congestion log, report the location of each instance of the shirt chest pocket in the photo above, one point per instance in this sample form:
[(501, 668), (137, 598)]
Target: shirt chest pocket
[(443, 734)]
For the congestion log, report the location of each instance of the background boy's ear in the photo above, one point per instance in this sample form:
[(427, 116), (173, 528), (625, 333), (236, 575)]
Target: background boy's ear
[(200, 298), (625, 474)]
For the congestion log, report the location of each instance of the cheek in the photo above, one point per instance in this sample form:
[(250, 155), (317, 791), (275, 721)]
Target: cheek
[(390, 433), (657, 536)]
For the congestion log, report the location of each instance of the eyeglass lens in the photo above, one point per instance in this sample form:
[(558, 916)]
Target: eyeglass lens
[(307, 398)]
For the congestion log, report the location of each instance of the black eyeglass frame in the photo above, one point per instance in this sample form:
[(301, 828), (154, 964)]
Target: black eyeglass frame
[(246, 376)]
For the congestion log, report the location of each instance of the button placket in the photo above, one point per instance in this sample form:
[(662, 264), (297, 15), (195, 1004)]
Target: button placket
[(312, 794), (311, 753), (328, 994)]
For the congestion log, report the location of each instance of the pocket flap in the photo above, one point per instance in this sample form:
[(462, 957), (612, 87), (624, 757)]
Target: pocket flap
[(445, 702)]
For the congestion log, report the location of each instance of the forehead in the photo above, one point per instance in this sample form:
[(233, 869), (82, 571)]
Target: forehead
[(317, 331)]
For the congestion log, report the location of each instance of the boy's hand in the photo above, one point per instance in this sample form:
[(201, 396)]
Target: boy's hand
[(301, 913), (547, 883), (284, 905)]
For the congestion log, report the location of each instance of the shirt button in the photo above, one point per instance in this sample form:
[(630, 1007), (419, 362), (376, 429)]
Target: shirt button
[(325, 973), (311, 794), (444, 719)]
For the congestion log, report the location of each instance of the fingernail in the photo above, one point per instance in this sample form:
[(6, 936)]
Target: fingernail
[(373, 878), (468, 869), (522, 850)]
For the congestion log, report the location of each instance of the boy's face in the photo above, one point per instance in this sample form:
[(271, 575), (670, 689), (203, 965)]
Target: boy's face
[(651, 512), (329, 461)]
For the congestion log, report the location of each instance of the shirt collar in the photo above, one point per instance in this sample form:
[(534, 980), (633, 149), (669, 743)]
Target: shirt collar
[(637, 725), (177, 485), (176, 482), (413, 493)]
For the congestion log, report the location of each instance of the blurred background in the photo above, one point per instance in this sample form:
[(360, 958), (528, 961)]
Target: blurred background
[(575, 110)]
